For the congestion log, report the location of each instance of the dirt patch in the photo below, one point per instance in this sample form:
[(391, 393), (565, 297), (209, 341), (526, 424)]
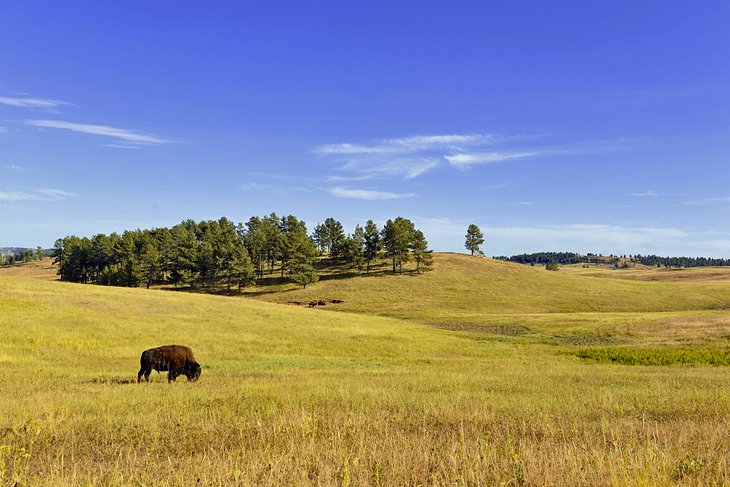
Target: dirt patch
[(314, 303), (492, 329)]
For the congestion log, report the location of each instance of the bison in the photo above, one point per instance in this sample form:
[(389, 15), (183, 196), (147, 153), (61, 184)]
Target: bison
[(174, 359)]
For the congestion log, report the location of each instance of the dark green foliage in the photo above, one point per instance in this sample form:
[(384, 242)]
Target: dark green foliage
[(650, 260), (212, 253), (330, 237), (680, 261), (373, 245), (657, 356), (303, 273), (421, 254), (552, 266), (189, 253), (474, 238), (397, 237), (353, 249), (547, 257)]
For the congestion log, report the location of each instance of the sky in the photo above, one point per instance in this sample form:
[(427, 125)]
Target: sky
[(576, 126)]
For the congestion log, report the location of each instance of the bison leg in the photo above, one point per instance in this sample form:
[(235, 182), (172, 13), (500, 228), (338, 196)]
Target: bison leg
[(172, 375), (145, 368)]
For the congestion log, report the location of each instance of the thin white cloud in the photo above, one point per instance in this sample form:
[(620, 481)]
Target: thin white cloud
[(128, 136), (55, 194), (644, 194), (370, 168), (724, 200), (3, 130), (15, 168), (464, 160), (123, 146), (47, 194), (367, 194), (275, 189), (30, 102), (405, 145), (16, 196)]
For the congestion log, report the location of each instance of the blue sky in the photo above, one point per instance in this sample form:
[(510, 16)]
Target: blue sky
[(576, 126)]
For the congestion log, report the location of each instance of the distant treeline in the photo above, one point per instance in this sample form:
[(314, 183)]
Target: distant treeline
[(650, 260), (211, 253), (17, 255), (655, 260)]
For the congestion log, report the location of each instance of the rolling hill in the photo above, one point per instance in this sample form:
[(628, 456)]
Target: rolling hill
[(292, 396), (463, 288)]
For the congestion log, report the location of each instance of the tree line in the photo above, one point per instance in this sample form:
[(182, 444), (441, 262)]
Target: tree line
[(213, 253), (25, 255), (655, 260), (649, 260)]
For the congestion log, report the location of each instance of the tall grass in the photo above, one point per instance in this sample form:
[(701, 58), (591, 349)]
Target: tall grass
[(657, 356), (296, 396)]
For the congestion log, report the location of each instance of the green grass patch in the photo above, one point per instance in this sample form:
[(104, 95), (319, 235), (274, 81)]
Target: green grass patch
[(656, 356)]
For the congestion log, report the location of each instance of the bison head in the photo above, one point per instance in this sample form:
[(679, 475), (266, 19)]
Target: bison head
[(192, 371)]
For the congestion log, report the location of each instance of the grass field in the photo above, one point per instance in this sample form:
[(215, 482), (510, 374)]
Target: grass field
[(477, 373)]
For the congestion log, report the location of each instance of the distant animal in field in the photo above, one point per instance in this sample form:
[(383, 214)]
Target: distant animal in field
[(176, 360)]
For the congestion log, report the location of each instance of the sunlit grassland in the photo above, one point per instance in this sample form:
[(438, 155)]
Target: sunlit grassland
[(293, 396), (464, 289)]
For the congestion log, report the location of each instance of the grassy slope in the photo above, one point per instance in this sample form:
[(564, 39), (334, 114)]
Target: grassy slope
[(465, 289), (292, 395)]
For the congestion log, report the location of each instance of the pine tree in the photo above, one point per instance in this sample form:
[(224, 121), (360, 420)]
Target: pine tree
[(335, 236), (372, 243), (421, 254), (397, 235), (474, 238)]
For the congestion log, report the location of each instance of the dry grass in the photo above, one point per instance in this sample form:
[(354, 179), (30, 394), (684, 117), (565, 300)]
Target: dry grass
[(297, 396), (464, 289)]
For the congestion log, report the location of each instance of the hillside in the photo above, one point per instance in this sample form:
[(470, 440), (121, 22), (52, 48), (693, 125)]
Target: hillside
[(294, 396), (355, 393), (464, 288)]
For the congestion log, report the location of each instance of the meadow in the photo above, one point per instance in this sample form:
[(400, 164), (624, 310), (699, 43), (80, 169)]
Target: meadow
[(476, 373)]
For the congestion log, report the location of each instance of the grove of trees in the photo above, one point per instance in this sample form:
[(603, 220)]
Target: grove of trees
[(213, 253)]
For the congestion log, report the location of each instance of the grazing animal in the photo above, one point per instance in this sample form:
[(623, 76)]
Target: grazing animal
[(174, 359)]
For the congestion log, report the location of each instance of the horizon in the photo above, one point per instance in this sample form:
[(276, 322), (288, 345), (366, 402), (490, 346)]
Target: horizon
[(565, 127)]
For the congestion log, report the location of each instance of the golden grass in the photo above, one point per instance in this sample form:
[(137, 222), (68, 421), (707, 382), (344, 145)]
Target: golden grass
[(297, 396), (463, 288)]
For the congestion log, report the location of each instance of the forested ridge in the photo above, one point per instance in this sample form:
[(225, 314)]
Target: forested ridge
[(213, 253), (650, 260)]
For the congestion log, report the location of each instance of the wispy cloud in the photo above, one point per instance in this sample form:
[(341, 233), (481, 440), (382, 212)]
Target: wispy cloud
[(15, 168), (123, 146), (275, 189), (125, 135), (367, 194), (723, 200), (47, 194), (31, 102), (644, 194), (405, 145), (464, 160), (54, 194), (372, 168), (412, 156), (3, 130)]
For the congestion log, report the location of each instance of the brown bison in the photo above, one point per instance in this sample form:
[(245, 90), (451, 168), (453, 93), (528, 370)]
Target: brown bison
[(174, 359)]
